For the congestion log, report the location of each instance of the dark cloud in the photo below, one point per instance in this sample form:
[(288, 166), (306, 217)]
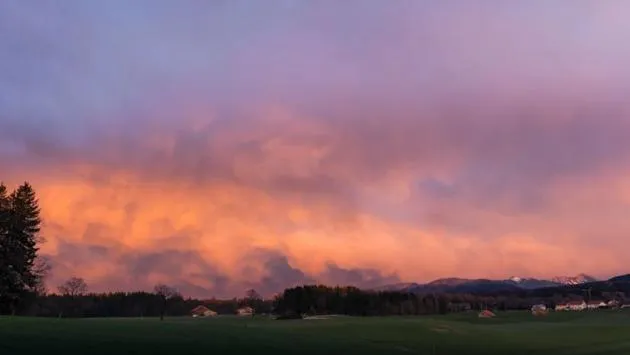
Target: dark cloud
[(135, 270), (71, 255), (358, 277), (277, 274), (193, 276), (175, 266)]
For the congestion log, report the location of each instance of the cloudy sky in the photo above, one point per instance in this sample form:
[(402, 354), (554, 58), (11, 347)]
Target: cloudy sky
[(221, 145)]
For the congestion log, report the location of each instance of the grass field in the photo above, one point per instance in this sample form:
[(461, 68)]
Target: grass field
[(515, 333)]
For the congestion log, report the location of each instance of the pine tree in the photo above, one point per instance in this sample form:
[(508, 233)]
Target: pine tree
[(25, 227), (19, 246), (5, 279)]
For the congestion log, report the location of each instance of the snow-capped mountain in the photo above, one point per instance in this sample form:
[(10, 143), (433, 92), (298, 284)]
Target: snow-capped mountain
[(573, 280), (530, 283), (454, 284)]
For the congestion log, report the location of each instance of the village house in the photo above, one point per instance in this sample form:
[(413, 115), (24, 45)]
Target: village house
[(562, 307), (613, 304), (596, 305), (245, 311), (539, 310), (487, 314), (539, 307), (202, 311), (571, 306)]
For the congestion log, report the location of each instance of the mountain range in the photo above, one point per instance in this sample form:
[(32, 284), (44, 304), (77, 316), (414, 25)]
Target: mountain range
[(460, 285)]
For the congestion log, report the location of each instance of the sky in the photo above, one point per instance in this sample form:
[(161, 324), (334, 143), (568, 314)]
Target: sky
[(224, 145)]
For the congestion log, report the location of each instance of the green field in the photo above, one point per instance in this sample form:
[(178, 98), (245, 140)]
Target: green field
[(515, 333)]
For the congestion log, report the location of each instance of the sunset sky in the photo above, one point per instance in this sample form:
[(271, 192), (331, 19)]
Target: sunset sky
[(222, 145)]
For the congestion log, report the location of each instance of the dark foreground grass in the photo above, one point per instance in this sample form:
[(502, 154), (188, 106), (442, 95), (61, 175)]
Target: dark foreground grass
[(518, 333)]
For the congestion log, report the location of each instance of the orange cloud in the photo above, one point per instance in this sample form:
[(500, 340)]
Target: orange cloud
[(280, 198)]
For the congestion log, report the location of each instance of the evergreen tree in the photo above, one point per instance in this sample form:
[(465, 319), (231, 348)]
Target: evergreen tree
[(19, 246), (4, 209), (5, 278)]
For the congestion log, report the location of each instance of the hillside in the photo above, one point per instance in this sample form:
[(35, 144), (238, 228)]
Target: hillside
[(487, 286), (621, 278)]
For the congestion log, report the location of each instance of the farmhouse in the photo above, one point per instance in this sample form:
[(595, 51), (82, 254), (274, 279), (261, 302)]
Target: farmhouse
[(596, 304), (245, 311), (539, 307), (202, 311), (613, 304), (486, 314), (562, 307), (539, 310), (571, 306)]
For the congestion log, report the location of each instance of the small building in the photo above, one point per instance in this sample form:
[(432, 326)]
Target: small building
[(596, 304), (245, 311), (539, 310), (539, 307), (486, 314), (571, 306), (562, 307), (625, 306), (202, 311), (613, 304)]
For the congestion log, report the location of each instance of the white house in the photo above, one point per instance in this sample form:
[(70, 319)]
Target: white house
[(202, 311), (596, 304), (539, 308), (571, 306), (577, 306), (245, 311), (562, 307), (613, 304)]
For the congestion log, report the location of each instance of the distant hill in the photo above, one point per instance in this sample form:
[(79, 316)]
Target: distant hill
[(483, 286), (455, 285), (452, 281), (530, 283), (621, 278), (513, 284), (403, 286)]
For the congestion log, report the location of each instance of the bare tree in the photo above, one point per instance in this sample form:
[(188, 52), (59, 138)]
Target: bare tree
[(165, 293), (251, 294), (74, 286), (41, 270), (254, 300)]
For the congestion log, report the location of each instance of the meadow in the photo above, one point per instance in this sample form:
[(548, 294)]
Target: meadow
[(513, 333)]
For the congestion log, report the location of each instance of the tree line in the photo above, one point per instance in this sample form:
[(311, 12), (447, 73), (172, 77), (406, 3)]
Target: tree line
[(319, 299), (73, 300), (131, 304)]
